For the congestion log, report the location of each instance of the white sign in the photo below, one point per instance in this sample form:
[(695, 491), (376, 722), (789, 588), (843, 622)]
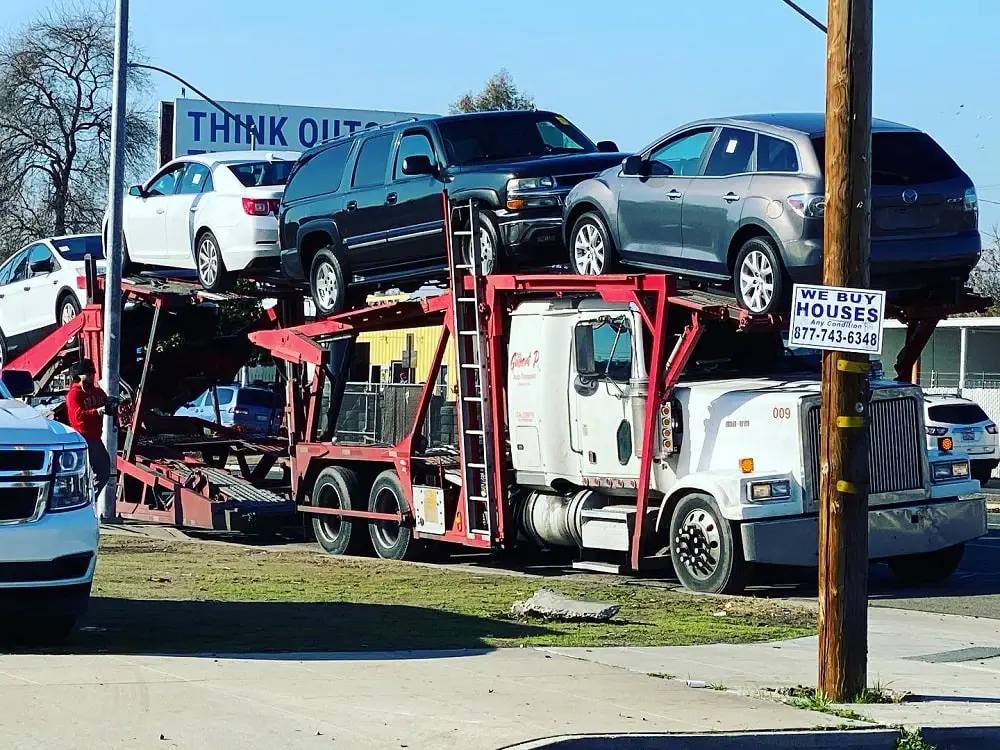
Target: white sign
[(837, 319), (200, 127)]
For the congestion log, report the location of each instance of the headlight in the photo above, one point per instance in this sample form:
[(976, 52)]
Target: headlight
[(71, 487), (780, 489), (946, 471), (530, 183), (937, 431)]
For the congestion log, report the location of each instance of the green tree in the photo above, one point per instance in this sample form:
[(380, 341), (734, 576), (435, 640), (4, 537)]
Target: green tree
[(499, 93)]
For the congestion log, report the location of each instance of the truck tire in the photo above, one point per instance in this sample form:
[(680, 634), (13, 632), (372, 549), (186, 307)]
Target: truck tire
[(338, 487), (490, 246), (927, 567), (707, 556), (391, 540)]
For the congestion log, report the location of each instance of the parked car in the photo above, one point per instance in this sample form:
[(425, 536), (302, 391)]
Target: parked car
[(42, 286), (364, 212), (215, 213), (969, 428), (248, 409), (741, 199)]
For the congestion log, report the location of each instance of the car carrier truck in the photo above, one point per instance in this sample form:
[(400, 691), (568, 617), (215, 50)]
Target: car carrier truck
[(642, 424)]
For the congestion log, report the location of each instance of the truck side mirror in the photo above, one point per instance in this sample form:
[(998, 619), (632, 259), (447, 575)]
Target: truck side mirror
[(417, 164), (583, 344), (607, 147), (18, 382)]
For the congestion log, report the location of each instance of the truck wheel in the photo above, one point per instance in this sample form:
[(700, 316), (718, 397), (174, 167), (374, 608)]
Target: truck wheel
[(706, 556), (327, 283), (338, 487), (927, 567), (591, 252), (392, 540), (490, 248)]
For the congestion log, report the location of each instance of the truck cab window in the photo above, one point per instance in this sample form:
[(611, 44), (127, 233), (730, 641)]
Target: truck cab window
[(604, 349)]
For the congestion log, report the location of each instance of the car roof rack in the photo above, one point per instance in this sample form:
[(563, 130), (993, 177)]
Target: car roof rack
[(376, 126)]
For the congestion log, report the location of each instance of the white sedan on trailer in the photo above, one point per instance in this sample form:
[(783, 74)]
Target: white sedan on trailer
[(969, 428), (215, 213), (43, 286)]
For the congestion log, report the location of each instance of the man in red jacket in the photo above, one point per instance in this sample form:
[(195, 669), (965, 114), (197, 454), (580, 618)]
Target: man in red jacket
[(86, 405)]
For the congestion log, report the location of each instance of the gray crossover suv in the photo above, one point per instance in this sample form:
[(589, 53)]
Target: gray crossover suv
[(741, 199)]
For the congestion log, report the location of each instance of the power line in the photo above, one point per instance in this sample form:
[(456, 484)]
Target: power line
[(811, 19)]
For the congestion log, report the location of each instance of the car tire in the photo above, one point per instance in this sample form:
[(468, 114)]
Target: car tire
[(706, 554), (759, 277), (327, 283), (212, 273), (3, 350), (982, 475), (927, 567), (338, 487), (591, 252), (491, 249), (391, 540), (67, 308)]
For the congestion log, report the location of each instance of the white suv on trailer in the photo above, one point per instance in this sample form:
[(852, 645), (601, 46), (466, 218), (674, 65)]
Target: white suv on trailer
[(48, 523)]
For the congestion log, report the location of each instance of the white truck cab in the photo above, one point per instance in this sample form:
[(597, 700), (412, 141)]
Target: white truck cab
[(48, 521), (736, 468)]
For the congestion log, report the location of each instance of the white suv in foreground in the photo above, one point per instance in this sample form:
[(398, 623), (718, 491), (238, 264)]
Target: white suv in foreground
[(48, 522)]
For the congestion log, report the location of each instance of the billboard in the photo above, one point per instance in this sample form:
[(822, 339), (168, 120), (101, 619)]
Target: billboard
[(199, 126)]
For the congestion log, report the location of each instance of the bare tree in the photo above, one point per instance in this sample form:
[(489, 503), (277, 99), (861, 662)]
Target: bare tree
[(55, 125), (499, 93), (985, 277)]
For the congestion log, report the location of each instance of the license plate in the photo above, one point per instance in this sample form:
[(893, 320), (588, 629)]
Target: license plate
[(968, 435), (894, 219)]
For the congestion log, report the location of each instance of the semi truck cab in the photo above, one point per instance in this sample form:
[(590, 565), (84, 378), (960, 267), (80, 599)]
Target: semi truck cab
[(736, 470)]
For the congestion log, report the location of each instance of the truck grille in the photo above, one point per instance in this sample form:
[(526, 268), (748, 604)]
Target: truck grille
[(894, 463), (22, 460), (18, 503)]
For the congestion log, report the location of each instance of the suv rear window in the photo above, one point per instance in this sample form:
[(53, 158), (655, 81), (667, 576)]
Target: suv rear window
[(255, 397), (957, 414), (319, 173), (78, 248), (903, 159), (262, 173)]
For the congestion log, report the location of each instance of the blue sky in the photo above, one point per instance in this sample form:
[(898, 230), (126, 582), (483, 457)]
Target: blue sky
[(626, 71)]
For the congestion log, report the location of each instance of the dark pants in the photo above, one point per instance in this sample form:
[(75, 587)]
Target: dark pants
[(100, 463)]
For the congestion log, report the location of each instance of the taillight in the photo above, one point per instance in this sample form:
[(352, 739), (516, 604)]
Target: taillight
[(261, 206), (970, 201)]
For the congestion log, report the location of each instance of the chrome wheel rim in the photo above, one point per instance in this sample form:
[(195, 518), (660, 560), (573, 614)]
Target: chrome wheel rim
[(487, 253), (698, 544), (757, 281), (208, 262), (327, 287), (588, 251), (67, 313), (386, 531)]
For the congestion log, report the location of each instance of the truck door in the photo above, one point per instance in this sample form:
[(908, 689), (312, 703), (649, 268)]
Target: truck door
[(600, 407)]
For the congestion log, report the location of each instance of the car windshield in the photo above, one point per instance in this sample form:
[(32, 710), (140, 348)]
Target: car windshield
[(723, 353), (255, 397), (78, 248), (511, 136), (957, 414), (262, 173)]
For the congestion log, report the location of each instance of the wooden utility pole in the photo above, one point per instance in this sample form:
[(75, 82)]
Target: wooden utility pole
[(844, 442)]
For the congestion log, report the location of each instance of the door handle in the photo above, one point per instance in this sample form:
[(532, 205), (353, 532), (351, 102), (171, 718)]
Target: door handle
[(730, 197), (160, 210), (27, 288), (674, 195), (390, 199), (193, 209), (351, 206)]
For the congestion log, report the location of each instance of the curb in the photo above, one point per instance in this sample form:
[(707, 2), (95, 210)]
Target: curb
[(944, 738)]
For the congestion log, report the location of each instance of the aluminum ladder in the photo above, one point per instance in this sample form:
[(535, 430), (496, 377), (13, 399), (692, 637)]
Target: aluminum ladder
[(475, 423)]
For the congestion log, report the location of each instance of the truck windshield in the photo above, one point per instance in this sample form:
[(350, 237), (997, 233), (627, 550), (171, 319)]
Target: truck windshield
[(723, 353), (514, 135)]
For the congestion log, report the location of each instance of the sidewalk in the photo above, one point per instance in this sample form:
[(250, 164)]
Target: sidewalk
[(950, 665)]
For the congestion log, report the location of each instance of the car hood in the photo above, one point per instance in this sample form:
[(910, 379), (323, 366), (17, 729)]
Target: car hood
[(556, 164), (21, 424)]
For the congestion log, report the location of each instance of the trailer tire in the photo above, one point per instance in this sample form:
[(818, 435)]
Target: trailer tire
[(391, 540), (706, 554), (927, 567), (338, 487)]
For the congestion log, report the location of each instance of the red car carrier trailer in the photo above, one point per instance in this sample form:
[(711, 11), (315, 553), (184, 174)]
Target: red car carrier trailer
[(595, 413)]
